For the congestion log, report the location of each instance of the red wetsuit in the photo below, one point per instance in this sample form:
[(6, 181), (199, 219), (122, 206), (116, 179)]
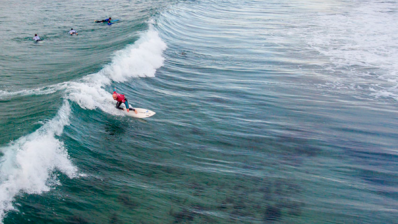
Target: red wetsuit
[(121, 99)]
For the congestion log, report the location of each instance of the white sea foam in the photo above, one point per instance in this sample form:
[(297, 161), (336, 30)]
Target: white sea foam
[(358, 40), (38, 91), (138, 60), (28, 164), (141, 59)]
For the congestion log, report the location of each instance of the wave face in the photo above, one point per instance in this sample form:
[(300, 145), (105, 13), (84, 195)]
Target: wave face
[(28, 164), (280, 111), (141, 59)]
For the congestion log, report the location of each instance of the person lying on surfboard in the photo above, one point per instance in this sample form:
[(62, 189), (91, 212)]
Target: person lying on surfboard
[(103, 21), (121, 99)]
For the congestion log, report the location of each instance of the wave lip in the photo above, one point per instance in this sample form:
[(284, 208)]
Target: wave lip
[(141, 59), (138, 60)]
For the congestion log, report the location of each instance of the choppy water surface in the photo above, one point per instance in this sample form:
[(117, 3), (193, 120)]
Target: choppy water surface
[(267, 111)]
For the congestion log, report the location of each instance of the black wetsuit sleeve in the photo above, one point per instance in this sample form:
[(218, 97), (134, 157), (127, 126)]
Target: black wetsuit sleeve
[(118, 105)]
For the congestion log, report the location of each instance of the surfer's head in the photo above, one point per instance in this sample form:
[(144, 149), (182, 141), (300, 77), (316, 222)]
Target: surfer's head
[(114, 96), (36, 34), (71, 28), (110, 18)]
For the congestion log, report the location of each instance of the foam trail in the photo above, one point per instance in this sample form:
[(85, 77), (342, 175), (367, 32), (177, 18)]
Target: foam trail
[(38, 91), (28, 163)]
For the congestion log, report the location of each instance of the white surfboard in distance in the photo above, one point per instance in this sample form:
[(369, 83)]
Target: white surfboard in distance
[(141, 113)]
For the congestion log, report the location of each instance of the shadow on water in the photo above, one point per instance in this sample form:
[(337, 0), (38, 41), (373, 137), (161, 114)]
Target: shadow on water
[(240, 199), (272, 213), (182, 216), (197, 131), (114, 128), (125, 200), (252, 193), (115, 219), (77, 220), (299, 145), (375, 166)]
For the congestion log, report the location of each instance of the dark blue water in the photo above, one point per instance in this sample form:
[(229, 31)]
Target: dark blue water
[(266, 112)]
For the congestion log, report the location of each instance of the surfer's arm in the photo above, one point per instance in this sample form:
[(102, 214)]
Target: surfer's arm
[(127, 105)]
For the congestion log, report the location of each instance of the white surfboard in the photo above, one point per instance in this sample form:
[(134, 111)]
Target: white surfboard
[(141, 113)]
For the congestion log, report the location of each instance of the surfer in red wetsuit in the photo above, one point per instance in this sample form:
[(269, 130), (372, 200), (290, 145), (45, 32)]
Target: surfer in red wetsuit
[(121, 99)]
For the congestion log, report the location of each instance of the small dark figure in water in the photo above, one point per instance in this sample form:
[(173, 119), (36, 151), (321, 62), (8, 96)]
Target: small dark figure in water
[(103, 21), (36, 38), (72, 31)]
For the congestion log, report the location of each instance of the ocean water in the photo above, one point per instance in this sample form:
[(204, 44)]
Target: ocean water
[(267, 111)]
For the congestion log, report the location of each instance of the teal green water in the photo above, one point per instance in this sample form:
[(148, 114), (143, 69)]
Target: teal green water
[(266, 112)]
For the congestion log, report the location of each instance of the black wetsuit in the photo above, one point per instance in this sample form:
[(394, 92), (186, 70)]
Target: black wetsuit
[(102, 21), (118, 103)]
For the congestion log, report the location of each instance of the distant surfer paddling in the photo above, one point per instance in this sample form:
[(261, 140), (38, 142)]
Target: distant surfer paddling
[(36, 38), (72, 31), (103, 21), (121, 99)]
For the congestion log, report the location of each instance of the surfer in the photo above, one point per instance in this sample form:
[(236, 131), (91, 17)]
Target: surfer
[(36, 38), (121, 99), (103, 21), (72, 31)]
